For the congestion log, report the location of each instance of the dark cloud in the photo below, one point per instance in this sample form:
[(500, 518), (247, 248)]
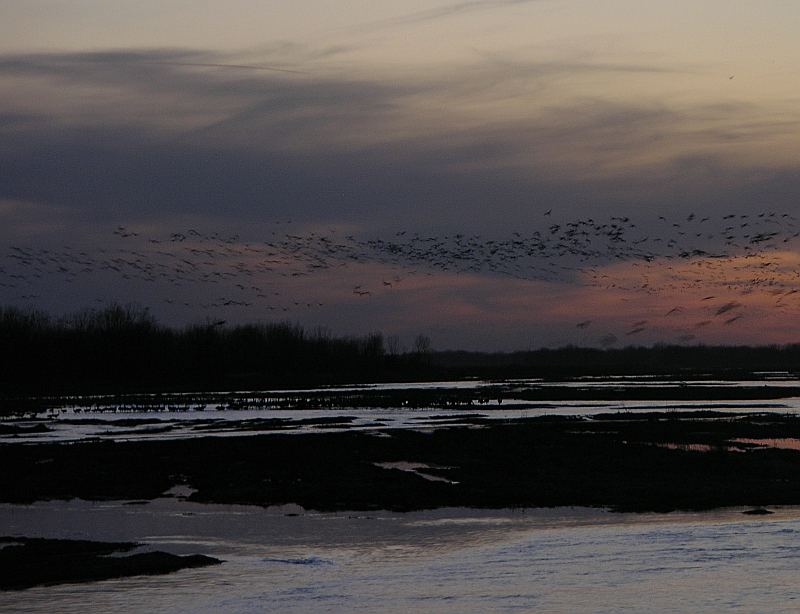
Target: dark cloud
[(15, 120), (243, 146)]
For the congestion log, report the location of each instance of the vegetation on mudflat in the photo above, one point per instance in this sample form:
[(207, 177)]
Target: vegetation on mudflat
[(124, 349)]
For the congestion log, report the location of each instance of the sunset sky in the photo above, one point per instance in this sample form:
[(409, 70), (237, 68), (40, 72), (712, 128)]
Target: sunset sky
[(199, 158)]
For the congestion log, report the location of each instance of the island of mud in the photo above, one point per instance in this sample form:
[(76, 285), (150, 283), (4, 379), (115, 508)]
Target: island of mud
[(656, 461), (27, 562)]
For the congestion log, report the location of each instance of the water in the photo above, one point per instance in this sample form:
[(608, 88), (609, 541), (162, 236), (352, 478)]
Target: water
[(560, 560), (182, 425), (98, 417), (451, 560)]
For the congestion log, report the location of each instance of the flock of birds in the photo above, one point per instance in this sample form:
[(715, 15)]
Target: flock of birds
[(724, 257)]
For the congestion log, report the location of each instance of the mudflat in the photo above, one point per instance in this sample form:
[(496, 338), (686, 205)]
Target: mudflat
[(658, 461), (26, 562)]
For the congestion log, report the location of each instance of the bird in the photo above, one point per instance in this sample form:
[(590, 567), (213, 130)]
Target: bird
[(735, 255)]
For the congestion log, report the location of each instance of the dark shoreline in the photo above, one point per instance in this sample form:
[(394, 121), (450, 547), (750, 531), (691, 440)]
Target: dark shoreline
[(627, 462)]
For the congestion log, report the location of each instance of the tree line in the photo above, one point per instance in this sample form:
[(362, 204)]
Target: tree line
[(123, 348)]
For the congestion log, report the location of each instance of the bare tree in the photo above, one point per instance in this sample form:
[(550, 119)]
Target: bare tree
[(393, 345), (422, 344)]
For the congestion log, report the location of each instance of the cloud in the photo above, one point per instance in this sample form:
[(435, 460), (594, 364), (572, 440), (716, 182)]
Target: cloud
[(441, 12), (163, 145), (137, 134), (54, 63)]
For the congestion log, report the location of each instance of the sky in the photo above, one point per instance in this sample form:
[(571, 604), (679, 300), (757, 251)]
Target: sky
[(494, 174)]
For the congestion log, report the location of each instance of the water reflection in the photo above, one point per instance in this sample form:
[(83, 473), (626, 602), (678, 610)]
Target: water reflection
[(155, 425), (289, 560), (781, 443)]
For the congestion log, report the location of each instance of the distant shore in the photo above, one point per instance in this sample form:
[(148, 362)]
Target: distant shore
[(125, 350), (516, 394)]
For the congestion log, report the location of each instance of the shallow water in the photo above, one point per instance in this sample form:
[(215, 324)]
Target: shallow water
[(291, 560), (560, 560), (98, 417), (187, 424)]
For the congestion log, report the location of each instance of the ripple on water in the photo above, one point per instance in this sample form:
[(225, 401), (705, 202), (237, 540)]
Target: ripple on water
[(306, 560)]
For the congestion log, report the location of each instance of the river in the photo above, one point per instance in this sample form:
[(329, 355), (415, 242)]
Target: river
[(287, 559), (450, 560)]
